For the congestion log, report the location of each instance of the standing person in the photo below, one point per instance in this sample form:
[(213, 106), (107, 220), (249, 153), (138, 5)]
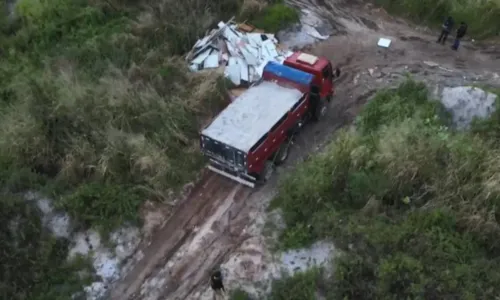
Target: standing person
[(447, 27), (461, 31), (216, 284)]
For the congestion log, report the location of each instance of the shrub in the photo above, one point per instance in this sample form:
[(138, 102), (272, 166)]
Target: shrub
[(411, 201), (105, 206), (489, 128), (275, 17), (96, 107), (300, 286), (239, 295), (32, 261)]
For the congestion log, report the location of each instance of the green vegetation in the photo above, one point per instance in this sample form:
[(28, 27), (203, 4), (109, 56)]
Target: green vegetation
[(489, 128), (481, 16), (31, 257), (301, 286), (414, 204), (239, 295), (276, 17), (99, 112)]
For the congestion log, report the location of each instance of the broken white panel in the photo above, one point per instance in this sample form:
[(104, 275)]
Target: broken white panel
[(260, 56), (232, 71), (383, 42), (221, 45), (253, 42), (254, 38), (202, 42), (270, 47), (231, 35), (201, 57), (232, 50), (212, 61), (250, 58), (271, 37), (313, 32), (252, 74), (260, 68), (243, 69), (221, 25), (194, 67)]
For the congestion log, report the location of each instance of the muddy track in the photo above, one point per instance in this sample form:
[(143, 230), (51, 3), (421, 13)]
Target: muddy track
[(203, 200), (215, 220)]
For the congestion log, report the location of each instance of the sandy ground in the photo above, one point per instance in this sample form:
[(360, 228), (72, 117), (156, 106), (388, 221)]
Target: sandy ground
[(221, 223)]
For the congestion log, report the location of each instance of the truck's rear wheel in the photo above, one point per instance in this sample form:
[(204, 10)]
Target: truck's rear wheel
[(282, 154), (267, 172)]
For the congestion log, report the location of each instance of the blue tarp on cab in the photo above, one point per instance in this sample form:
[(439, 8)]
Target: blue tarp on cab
[(288, 73)]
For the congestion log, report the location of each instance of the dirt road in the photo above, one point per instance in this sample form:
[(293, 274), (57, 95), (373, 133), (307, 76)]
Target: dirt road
[(221, 222)]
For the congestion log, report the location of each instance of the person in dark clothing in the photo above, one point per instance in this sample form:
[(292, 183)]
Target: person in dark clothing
[(216, 283), (461, 31), (447, 27)]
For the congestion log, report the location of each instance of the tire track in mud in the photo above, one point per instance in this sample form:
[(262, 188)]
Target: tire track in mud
[(205, 250), (191, 212)]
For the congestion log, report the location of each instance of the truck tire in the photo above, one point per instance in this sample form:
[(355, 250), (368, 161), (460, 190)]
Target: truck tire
[(321, 110), (282, 154), (266, 174)]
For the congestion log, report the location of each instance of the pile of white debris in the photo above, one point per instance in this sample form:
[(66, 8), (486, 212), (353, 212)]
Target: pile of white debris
[(242, 49)]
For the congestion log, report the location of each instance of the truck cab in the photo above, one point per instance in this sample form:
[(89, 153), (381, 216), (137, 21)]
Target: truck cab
[(253, 133), (320, 67)]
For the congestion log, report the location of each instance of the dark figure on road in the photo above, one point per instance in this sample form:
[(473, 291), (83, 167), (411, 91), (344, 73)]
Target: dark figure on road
[(461, 31), (447, 27), (216, 283)]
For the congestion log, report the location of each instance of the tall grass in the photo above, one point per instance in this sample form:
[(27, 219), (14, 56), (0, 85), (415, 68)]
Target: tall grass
[(413, 203), (99, 111), (481, 15)]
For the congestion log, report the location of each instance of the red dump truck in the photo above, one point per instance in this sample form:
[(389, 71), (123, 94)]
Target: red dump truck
[(252, 135)]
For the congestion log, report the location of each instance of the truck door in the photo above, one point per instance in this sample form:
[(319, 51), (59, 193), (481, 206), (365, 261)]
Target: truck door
[(327, 81)]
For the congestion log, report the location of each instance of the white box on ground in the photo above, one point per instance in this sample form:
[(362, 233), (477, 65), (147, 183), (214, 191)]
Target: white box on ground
[(383, 42)]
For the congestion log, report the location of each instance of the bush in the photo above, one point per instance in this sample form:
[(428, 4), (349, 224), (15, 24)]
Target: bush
[(96, 106), (275, 17), (116, 205), (481, 16), (32, 262), (411, 202), (300, 286), (239, 295), (489, 128)]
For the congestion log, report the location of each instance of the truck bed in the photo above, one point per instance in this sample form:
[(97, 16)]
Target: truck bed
[(245, 121)]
